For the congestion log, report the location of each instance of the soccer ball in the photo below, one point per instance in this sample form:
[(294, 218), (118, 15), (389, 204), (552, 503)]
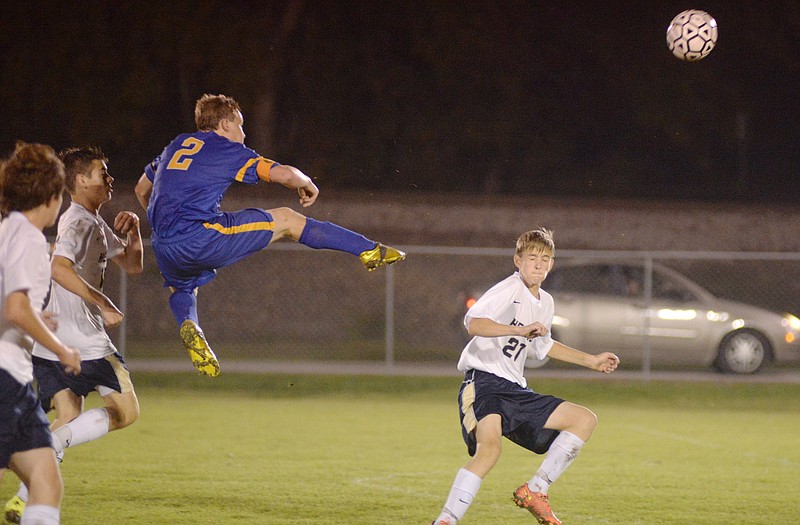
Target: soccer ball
[(692, 34)]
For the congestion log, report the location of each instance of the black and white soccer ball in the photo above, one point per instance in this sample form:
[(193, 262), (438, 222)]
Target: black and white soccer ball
[(692, 35)]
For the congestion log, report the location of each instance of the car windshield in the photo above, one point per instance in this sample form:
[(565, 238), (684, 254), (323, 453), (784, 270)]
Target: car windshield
[(617, 280)]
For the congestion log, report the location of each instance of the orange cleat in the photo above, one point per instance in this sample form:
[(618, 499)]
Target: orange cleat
[(536, 503), (444, 521)]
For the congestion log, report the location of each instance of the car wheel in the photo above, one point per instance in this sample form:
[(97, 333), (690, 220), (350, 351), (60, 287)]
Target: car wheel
[(743, 352)]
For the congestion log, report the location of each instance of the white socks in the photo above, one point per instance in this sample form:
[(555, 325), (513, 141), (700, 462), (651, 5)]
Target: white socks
[(22, 492), (40, 515), (561, 454), (89, 426), (465, 487)]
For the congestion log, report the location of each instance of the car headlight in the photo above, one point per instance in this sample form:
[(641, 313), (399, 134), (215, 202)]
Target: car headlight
[(792, 322)]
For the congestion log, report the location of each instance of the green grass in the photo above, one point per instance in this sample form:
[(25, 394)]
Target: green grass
[(275, 449)]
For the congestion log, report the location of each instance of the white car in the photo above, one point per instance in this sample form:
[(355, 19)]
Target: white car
[(602, 305)]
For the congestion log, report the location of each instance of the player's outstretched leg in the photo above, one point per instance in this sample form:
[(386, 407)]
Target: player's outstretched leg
[(536, 503), (14, 509), (202, 356), (327, 235), (379, 256)]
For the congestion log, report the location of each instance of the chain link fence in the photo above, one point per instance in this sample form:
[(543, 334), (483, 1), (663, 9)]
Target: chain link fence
[(293, 303)]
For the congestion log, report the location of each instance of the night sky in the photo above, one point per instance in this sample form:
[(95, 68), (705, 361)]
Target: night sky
[(556, 98)]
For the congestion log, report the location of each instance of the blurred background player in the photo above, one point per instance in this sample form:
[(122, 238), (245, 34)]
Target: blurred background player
[(182, 190), (31, 188), (83, 247), (511, 319)]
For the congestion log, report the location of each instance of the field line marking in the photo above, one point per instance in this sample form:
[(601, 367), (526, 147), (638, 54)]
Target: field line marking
[(711, 445)]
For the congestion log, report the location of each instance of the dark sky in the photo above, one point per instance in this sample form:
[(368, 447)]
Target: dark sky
[(556, 98)]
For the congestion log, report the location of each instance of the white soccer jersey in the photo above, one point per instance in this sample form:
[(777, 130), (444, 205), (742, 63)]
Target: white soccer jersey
[(508, 302), (24, 265), (85, 239)]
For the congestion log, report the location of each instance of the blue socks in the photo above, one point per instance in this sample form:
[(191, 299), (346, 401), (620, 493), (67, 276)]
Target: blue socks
[(318, 234), (184, 305)]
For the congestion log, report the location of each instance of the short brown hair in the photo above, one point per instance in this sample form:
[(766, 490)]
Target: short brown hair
[(210, 110), (30, 177), (537, 240), (79, 160)]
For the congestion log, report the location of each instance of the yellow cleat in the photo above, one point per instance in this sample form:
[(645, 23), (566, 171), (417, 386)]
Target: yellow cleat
[(14, 509), (380, 255), (203, 357)]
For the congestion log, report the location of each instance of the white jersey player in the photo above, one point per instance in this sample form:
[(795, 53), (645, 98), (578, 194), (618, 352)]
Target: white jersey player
[(510, 303), (512, 319), (83, 247), (86, 242), (31, 185)]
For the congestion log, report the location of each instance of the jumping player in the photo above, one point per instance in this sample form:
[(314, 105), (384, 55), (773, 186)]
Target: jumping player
[(181, 191), (83, 247), (508, 321), (31, 188)]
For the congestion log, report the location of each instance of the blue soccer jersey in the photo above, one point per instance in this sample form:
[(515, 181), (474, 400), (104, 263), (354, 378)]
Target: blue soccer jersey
[(190, 177)]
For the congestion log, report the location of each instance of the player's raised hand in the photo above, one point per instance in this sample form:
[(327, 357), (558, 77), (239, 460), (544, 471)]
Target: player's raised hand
[(126, 222), (606, 362)]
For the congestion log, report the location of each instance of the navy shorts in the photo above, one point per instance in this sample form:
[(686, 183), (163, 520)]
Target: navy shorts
[(523, 411), (188, 263), (109, 372), (23, 425)]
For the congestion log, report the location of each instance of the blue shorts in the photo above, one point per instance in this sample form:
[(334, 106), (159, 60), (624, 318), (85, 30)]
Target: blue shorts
[(523, 411), (109, 372), (23, 425), (190, 262)]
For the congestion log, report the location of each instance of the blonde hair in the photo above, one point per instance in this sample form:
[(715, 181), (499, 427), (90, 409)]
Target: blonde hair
[(210, 110), (536, 240)]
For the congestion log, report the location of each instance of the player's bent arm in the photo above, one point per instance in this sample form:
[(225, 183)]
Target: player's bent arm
[(485, 327), (18, 311), (293, 178), (143, 190), (132, 259), (604, 362), (65, 275)]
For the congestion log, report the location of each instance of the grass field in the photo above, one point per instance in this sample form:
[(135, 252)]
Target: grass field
[(274, 449)]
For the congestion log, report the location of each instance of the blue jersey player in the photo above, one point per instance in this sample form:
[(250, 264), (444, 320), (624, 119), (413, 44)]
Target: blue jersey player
[(182, 189)]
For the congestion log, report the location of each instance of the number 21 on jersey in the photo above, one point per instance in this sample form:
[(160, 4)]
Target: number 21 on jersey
[(182, 158), (513, 348)]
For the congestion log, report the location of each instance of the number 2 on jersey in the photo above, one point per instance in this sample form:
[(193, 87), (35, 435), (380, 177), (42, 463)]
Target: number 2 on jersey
[(181, 159)]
